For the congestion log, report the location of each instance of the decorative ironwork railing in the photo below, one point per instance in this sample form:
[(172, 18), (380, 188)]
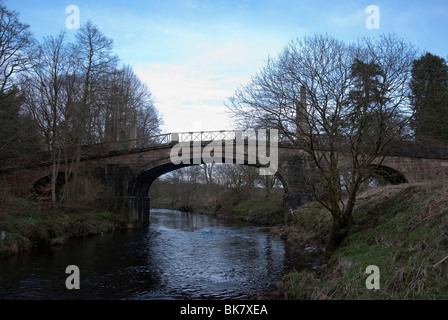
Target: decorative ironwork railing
[(166, 138)]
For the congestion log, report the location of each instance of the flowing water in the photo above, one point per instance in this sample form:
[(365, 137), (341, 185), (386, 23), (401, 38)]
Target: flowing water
[(178, 256)]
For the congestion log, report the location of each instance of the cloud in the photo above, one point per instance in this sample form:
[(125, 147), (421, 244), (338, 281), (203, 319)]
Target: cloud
[(193, 89), (188, 98), (238, 57)]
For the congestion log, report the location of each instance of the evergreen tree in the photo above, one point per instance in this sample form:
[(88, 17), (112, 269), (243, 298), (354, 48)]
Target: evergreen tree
[(429, 99), (17, 134), (365, 97)]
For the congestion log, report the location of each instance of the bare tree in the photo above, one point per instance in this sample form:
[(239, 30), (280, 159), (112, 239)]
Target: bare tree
[(127, 110), (16, 45), (16, 51), (45, 99), (140, 117), (356, 101), (77, 95), (268, 182), (95, 62), (208, 172)]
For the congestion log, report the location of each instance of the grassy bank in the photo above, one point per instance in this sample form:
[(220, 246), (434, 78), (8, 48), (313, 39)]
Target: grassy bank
[(401, 229), (25, 224), (254, 208)]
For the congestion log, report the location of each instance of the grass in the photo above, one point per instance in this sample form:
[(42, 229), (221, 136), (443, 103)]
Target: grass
[(260, 210), (403, 230), (26, 225)]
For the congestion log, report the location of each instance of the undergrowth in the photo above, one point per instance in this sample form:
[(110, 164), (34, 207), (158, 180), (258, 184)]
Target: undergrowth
[(401, 229), (25, 225)]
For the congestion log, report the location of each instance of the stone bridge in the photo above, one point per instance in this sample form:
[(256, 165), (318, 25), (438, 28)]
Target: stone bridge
[(133, 167)]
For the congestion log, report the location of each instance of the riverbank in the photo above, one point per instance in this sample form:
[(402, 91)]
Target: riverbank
[(26, 224), (255, 208), (403, 230)]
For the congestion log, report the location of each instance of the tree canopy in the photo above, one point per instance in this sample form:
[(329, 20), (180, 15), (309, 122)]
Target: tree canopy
[(429, 98)]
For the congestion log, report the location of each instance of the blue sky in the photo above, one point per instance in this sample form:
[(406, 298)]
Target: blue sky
[(193, 54)]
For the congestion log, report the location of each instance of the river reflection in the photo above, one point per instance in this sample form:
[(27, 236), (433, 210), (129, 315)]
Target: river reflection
[(178, 256)]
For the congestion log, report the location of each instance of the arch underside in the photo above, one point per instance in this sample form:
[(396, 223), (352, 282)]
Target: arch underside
[(42, 187), (388, 175), (144, 180), (146, 176)]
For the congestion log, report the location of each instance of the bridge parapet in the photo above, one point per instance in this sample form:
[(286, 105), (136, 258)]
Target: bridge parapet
[(112, 148), (411, 149), (416, 149)]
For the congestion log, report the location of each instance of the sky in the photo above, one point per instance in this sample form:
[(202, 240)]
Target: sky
[(194, 54)]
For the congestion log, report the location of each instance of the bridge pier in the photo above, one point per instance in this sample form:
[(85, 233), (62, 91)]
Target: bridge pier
[(143, 209), (138, 208)]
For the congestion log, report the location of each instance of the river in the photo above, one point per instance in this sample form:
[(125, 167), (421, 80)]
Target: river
[(178, 256)]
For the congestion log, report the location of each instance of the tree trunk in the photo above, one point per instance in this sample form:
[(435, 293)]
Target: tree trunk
[(340, 229), (54, 178), (54, 175)]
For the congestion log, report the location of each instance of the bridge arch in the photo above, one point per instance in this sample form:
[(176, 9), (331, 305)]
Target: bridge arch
[(146, 175), (139, 185), (142, 180), (41, 187), (385, 174)]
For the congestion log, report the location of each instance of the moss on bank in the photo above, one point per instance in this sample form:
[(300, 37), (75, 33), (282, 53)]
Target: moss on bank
[(25, 225), (401, 229)]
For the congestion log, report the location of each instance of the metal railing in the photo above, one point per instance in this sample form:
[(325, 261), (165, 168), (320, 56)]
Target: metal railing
[(168, 138), (191, 136), (203, 136), (221, 135)]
